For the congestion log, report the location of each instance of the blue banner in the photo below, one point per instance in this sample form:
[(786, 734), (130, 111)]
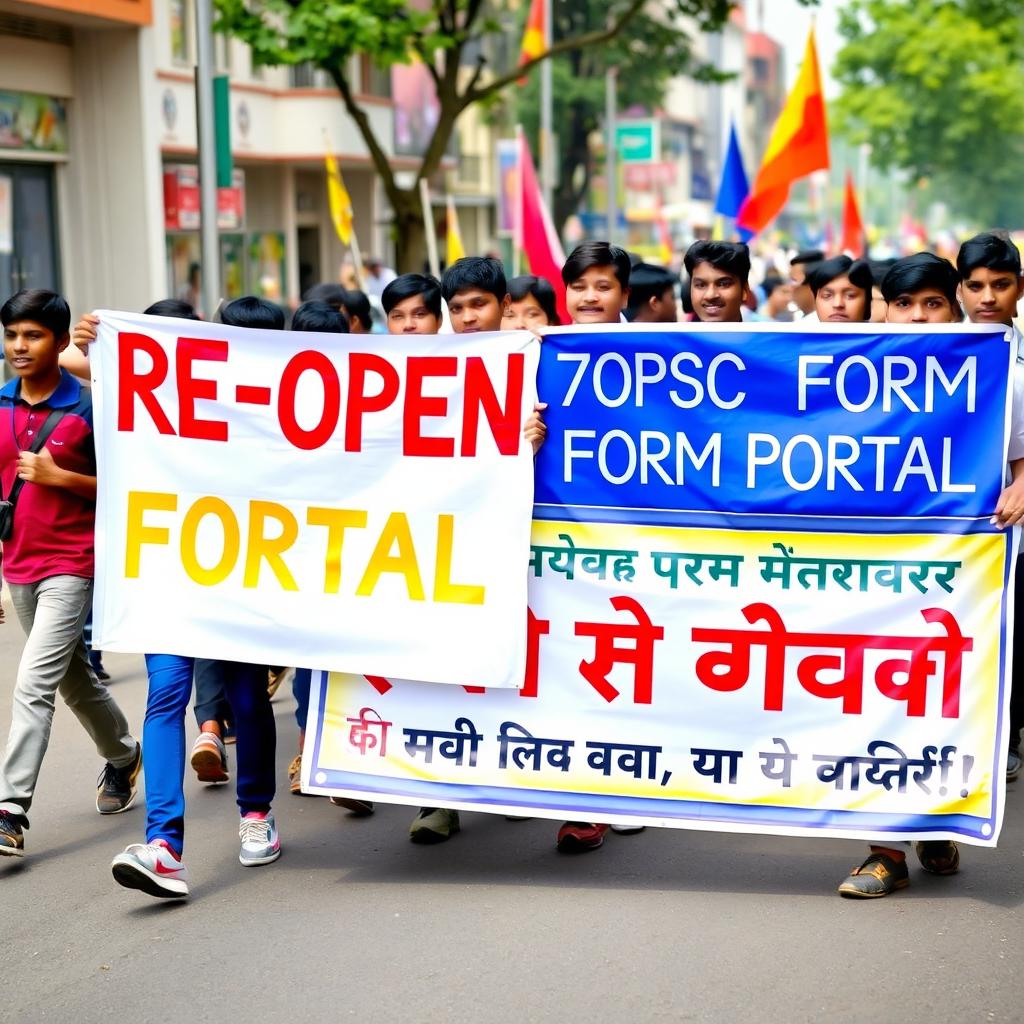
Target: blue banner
[(847, 422)]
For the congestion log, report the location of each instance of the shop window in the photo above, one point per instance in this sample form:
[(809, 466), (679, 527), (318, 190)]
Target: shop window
[(375, 80), (307, 76)]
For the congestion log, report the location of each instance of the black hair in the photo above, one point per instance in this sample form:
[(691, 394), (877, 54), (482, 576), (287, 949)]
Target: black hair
[(321, 317), (481, 272), (807, 256), (193, 269), (732, 257), (252, 311), (541, 289), (879, 268), (647, 282), (991, 251), (357, 304), (41, 305), (858, 271), (326, 291), (685, 298), (597, 254), (771, 282), (409, 285), (173, 308), (922, 270)]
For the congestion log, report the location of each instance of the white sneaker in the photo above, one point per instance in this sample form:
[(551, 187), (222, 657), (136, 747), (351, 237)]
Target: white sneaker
[(260, 842), (628, 830), (152, 867)]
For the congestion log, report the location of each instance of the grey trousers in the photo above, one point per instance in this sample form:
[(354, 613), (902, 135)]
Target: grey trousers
[(52, 613)]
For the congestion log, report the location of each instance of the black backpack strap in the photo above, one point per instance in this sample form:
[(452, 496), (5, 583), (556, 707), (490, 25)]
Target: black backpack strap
[(48, 427)]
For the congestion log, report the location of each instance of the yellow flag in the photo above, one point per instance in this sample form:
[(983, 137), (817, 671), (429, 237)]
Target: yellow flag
[(453, 237), (339, 200)]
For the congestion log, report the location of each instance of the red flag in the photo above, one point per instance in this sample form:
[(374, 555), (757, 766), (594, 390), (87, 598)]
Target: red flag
[(853, 227), (536, 233), (798, 145)]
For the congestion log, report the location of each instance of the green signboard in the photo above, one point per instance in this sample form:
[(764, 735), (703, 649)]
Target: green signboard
[(637, 142)]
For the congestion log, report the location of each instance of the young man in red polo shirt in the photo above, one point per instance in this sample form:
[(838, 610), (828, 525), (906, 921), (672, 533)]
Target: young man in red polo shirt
[(48, 562)]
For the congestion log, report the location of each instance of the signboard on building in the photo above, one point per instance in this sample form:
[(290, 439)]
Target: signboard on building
[(33, 122), (181, 200), (638, 141)]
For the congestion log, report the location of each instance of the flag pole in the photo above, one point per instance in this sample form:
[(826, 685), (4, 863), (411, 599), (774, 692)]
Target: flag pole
[(547, 154), (611, 171), (517, 211), (428, 227)]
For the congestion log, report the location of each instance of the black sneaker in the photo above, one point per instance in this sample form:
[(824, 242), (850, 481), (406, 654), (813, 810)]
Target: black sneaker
[(115, 788), (12, 841)]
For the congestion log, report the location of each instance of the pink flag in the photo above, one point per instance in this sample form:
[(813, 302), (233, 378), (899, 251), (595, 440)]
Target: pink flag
[(537, 238)]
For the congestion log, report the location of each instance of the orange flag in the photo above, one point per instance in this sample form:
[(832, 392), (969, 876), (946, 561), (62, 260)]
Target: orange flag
[(535, 38), (798, 145), (853, 227)]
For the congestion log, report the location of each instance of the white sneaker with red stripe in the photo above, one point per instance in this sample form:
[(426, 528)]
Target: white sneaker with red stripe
[(152, 867), (260, 842)]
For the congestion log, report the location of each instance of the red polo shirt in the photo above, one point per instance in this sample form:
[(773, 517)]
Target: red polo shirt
[(53, 527)]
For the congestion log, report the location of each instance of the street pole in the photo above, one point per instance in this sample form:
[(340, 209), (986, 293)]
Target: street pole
[(547, 156), (209, 260), (610, 162)]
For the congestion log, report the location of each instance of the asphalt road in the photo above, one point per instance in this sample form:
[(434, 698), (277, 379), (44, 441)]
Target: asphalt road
[(354, 922)]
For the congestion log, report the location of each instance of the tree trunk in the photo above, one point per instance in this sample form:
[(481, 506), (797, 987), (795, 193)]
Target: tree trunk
[(410, 235)]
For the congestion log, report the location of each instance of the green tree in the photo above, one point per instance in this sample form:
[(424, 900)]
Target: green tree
[(936, 87), (443, 34), (655, 48)]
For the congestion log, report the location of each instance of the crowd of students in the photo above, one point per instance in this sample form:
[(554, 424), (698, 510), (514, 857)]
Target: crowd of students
[(47, 472)]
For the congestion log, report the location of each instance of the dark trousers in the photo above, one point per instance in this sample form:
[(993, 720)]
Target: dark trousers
[(211, 697)]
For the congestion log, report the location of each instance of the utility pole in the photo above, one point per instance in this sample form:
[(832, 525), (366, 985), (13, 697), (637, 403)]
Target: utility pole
[(611, 170)]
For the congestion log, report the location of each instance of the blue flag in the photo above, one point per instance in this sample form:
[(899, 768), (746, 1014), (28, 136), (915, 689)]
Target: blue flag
[(734, 188)]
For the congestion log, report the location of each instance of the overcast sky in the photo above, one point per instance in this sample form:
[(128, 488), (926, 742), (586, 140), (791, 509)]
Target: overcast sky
[(788, 22)]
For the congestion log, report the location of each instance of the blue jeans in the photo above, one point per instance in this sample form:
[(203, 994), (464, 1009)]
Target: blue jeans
[(302, 680), (163, 740)]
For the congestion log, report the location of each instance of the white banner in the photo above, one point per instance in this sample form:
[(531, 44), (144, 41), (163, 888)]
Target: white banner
[(354, 503)]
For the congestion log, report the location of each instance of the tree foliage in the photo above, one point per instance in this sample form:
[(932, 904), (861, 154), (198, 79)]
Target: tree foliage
[(936, 87), (450, 37), (656, 47)]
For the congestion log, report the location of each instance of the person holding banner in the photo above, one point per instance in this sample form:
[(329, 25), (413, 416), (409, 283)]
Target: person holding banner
[(652, 295), (48, 474), (476, 292), (412, 304), (842, 290), (991, 285), (919, 289), (719, 273), (531, 303), (155, 867)]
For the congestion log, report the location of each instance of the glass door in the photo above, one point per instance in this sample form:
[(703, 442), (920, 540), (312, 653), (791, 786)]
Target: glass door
[(28, 234)]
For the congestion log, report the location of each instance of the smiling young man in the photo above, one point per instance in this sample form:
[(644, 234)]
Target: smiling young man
[(991, 285), (49, 562), (842, 290), (412, 304), (476, 292), (718, 273), (596, 277)]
